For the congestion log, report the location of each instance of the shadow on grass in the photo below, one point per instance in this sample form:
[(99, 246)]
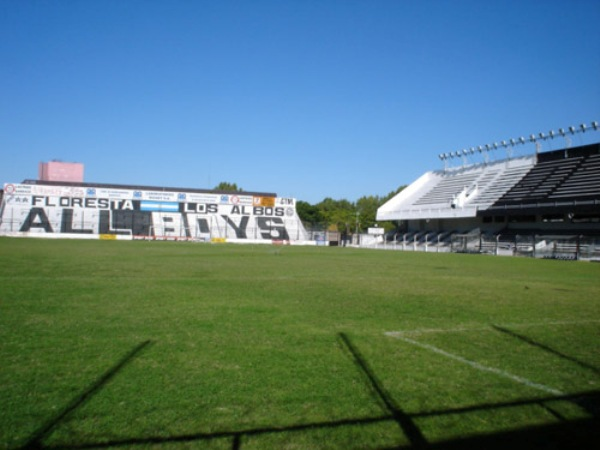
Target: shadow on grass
[(35, 441), (403, 420), (580, 434), (547, 349), (565, 434), (592, 406)]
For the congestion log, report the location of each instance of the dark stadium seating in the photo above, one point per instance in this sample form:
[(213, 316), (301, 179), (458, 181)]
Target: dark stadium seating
[(559, 176), (541, 181), (583, 183)]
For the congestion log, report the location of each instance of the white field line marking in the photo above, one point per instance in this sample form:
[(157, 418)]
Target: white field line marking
[(481, 367), (487, 328)]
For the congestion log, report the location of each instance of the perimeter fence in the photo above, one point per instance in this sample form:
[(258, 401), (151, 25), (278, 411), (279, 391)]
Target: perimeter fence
[(548, 246)]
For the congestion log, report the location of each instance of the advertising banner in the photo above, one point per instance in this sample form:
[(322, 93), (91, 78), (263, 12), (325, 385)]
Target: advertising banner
[(98, 212)]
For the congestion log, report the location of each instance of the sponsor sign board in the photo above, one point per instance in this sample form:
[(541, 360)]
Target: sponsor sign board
[(103, 212)]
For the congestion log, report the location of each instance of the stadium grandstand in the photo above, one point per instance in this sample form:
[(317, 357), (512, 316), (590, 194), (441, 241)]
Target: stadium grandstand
[(78, 210), (545, 204)]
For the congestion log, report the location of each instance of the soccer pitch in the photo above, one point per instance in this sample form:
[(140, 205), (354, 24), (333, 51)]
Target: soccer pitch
[(180, 345)]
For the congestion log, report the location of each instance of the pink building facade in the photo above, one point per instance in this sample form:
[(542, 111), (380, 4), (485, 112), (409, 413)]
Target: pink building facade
[(60, 171)]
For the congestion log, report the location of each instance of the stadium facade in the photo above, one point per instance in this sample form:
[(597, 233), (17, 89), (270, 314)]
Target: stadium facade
[(103, 211), (544, 204)]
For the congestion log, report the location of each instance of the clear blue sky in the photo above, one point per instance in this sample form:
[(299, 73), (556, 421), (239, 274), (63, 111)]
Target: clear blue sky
[(305, 98)]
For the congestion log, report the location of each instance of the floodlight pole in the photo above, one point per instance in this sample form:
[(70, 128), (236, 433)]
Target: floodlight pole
[(510, 144), (568, 142)]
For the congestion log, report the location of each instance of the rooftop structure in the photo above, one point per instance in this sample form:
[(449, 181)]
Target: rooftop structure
[(60, 171)]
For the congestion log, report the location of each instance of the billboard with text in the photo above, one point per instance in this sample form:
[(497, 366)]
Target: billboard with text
[(92, 212)]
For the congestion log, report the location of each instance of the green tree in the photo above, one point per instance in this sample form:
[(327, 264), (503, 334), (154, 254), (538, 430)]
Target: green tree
[(229, 187), (339, 215), (342, 215), (309, 214), (366, 207)]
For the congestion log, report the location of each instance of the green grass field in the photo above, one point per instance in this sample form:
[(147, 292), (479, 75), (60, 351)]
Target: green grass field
[(181, 345)]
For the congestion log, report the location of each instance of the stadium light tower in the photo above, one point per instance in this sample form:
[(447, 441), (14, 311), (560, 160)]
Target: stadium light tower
[(533, 139), (510, 148), (444, 158), (568, 140), (465, 152), (551, 135), (512, 143)]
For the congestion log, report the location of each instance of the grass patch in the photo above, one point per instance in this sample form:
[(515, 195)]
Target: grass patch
[(245, 350)]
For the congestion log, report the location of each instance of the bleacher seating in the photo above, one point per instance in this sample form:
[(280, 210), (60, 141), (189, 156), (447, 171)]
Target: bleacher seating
[(449, 184), (540, 181), (583, 183), (550, 196), (498, 184), (457, 192), (567, 179)]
